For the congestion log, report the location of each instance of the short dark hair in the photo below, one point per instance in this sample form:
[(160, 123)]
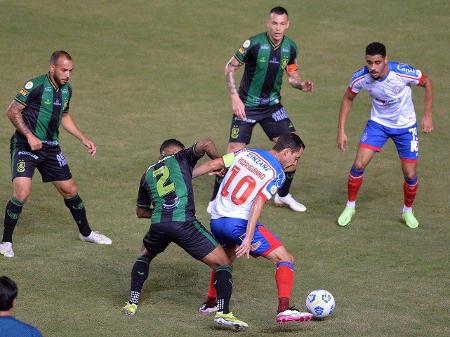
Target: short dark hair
[(170, 142), (279, 10), (290, 141), (8, 292), (59, 53), (376, 48)]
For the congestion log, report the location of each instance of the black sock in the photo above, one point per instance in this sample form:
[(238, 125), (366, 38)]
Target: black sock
[(76, 207), (139, 274), (217, 183), (224, 287), (284, 190), (12, 213)]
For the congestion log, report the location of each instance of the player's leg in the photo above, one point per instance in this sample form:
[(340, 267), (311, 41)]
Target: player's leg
[(267, 244), (240, 135), (407, 144), (68, 190), (21, 191), (155, 242), (198, 242), (275, 124), (372, 140), (23, 164)]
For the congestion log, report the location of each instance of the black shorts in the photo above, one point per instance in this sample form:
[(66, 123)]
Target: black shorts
[(274, 120), (195, 239), (49, 161)]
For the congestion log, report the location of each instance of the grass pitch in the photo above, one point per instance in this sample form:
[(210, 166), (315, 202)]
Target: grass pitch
[(149, 70)]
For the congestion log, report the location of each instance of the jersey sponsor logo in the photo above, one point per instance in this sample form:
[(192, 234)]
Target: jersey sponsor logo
[(415, 140), (264, 47), (47, 101), (285, 50), (64, 91), (29, 85), (246, 44), (57, 103), (251, 168), (388, 102), (48, 89), (26, 153), (258, 161), (262, 60), (274, 60), (21, 166), (61, 159), (407, 69), (23, 92), (255, 244)]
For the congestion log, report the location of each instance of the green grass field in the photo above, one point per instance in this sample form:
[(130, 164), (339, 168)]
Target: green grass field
[(149, 70)]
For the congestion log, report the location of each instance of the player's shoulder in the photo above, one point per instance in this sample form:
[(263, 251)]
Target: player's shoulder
[(35, 82), (361, 72), (289, 42), (404, 69)]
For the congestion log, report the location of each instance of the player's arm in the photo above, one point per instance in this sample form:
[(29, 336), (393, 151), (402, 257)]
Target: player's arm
[(344, 111), (427, 120), (143, 213), (69, 125), (255, 213), (206, 146), (14, 114), (295, 80), (230, 68), (216, 165)]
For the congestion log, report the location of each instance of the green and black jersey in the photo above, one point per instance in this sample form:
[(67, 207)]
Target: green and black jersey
[(45, 104), (166, 188), (264, 66)]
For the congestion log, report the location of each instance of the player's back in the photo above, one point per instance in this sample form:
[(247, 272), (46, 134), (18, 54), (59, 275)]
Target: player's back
[(253, 172)]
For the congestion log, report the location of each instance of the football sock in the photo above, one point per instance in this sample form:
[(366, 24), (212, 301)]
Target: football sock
[(211, 298), (355, 179), (139, 275), (217, 183), (76, 207), (410, 190), (284, 277), (284, 189), (224, 286), (12, 213)]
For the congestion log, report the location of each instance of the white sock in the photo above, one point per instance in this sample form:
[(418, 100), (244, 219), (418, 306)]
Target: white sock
[(351, 204), (406, 209)]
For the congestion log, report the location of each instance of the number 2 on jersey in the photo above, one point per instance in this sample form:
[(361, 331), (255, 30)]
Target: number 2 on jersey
[(161, 186), (244, 191)]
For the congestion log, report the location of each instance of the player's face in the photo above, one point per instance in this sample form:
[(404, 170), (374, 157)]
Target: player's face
[(276, 27), (291, 158), (61, 71), (377, 65)]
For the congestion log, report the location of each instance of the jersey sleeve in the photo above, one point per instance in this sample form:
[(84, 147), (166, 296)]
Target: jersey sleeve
[(292, 65), (244, 52), (357, 81), (27, 93), (189, 155), (144, 199), (272, 186), (409, 74)]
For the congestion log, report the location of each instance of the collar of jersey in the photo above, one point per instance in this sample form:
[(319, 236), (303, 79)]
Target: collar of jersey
[(385, 76), (271, 43), (51, 82)]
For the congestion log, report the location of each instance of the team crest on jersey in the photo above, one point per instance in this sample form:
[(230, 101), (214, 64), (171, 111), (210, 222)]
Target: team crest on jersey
[(284, 63), (234, 132), (21, 166), (273, 189), (29, 85)]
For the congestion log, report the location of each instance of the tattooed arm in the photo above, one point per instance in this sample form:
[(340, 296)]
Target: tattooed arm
[(236, 103), (295, 81), (14, 114)]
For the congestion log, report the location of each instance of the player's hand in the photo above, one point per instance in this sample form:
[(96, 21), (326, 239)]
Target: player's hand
[(427, 124), (244, 248), (221, 173), (306, 86), (342, 141), (90, 145), (34, 142), (238, 107)]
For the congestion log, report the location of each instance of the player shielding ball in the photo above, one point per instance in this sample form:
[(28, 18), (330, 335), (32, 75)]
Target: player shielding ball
[(166, 196), (253, 177), (392, 116)]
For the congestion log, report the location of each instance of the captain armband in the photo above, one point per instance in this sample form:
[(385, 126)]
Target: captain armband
[(228, 159)]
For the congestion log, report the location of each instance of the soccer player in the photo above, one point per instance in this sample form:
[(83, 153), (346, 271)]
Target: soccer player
[(37, 111), (266, 57), (253, 177), (10, 326), (392, 116), (167, 197)]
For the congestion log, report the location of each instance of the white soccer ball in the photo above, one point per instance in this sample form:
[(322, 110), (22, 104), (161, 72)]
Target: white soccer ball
[(320, 303)]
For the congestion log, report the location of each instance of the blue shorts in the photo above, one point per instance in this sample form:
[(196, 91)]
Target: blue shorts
[(231, 231), (406, 140)]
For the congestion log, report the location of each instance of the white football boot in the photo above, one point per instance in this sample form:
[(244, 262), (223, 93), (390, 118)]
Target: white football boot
[(6, 249), (96, 237), (290, 202)]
